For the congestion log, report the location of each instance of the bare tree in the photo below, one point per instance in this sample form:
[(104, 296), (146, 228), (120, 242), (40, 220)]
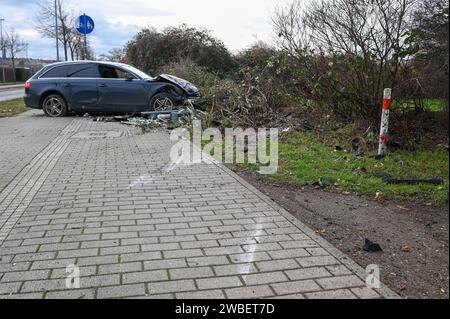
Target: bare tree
[(75, 44), (429, 41), (45, 24), (349, 49), (114, 55), (14, 45)]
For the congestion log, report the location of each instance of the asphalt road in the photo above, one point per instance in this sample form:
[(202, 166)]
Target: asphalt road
[(6, 95)]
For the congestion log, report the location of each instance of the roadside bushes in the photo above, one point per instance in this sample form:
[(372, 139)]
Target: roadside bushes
[(330, 63), (243, 100), (151, 49)]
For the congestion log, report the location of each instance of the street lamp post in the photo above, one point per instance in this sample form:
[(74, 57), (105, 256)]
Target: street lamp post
[(56, 30), (2, 46)]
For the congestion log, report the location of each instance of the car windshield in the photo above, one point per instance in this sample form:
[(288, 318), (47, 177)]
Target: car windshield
[(138, 72)]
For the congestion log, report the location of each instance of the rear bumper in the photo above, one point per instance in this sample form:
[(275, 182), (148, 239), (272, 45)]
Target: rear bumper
[(31, 101)]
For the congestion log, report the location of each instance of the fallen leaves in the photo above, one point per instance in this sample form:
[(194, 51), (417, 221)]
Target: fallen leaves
[(405, 248), (399, 288), (378, 195)]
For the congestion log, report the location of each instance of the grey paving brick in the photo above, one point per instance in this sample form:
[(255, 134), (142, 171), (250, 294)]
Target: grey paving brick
[(331, 294), (191, 273), (264, 278), (71, 294), (52, 264), (27, 296), (235, 269), (340, 282), (12, 267), (219, 282), (307, 273), (9, 287), (291, 287), (338, 270), (78, 253), (165, 264), (365, 293), (85, 271), (288, 253), (223, 250), (119, 250), (199, 244), (121, 291), (34, 257), (60, 284), (250, 292), (249, 257), (145, 276), (171, 286), (57, 247), (111, 259), (141, 256), (273, 265), (182, 253), (317, 261), (100, 243), (162, 247), (207, 261), (204, 295), (119, 268)]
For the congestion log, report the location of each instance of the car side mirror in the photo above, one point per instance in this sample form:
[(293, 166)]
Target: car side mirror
[(129, 77)]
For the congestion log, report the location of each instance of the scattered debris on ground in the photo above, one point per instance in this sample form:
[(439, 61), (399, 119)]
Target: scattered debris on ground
[(147, 121), (372, 247), (431, 180)]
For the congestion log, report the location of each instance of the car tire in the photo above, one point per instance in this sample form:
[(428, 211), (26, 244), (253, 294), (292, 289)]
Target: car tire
[(163, 102), (54, 105)]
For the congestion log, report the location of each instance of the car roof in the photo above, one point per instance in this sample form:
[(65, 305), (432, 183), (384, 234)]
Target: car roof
[(85, 62)]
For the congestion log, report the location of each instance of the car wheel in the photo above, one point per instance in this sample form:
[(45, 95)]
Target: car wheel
[(163, 102), (54, 106)]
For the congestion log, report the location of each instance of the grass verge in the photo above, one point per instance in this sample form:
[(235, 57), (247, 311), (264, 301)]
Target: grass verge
[(12, 108), (304, 159)]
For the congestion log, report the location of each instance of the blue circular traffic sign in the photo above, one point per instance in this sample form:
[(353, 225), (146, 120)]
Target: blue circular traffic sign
[(84, 24)]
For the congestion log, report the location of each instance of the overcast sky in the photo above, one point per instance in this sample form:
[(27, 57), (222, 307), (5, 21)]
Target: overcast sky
[(237, 22)]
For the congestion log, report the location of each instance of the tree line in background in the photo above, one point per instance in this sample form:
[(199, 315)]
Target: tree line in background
[(332, 54)]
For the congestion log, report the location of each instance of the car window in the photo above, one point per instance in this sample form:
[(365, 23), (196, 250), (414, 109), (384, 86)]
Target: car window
[(81, 71), (109, 72), (57, 72)]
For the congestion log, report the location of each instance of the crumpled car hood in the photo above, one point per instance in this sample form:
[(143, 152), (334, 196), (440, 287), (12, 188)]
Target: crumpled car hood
[(187, 86)]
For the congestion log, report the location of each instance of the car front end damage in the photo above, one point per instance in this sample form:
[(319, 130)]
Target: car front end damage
[(188, 92)]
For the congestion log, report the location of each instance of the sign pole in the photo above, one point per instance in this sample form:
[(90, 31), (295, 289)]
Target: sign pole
[(56, 30), (85, 40), (84, 25), (387, 98)]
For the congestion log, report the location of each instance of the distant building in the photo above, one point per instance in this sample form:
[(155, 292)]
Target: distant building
[(25, 68)]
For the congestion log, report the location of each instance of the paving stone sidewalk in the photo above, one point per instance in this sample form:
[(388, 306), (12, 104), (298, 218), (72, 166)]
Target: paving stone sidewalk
[(138, 228)]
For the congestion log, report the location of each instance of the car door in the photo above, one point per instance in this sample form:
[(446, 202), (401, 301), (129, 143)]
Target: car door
[(81, 85), (120, 91)]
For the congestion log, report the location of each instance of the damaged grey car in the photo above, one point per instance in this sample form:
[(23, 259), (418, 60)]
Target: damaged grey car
[(65, 88)]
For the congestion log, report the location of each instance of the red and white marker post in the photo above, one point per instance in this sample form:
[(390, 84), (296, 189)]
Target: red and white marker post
[(387, 98)]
